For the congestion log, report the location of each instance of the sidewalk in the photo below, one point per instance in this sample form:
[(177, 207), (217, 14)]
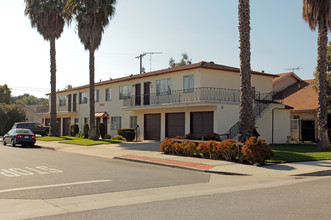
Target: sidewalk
[(149, 152)]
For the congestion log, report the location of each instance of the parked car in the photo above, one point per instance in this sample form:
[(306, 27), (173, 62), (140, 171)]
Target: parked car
[(36, 128), (19, 136)]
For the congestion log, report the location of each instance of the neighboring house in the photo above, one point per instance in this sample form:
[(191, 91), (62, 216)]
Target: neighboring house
[(35, 113), (198, 98), (300, 95)]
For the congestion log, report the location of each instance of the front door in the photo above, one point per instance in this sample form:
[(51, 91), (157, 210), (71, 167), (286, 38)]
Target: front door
[(66, 126), (147, 93), (308, 130), (138, 94)]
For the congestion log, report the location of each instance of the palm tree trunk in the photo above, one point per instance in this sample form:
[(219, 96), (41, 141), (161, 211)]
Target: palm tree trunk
[(246, 106), (93, 130), (322, 116), (54, 127)]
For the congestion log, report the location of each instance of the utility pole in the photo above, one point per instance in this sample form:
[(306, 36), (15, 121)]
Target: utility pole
[(140, 57)]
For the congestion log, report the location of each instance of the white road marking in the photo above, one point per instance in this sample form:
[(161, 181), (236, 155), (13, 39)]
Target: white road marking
[(54, 185)]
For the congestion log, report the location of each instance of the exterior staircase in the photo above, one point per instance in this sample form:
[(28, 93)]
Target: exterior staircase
[(259, 109)]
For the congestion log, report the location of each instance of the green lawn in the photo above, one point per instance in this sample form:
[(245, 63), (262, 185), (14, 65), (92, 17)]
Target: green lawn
[(50, 138), (87, 142), (298, 152)]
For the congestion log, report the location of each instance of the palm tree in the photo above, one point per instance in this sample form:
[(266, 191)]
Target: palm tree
[(92, 17), (317, 13), (47, 17), (246, 102)]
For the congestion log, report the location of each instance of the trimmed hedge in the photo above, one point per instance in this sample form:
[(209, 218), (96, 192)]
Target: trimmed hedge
[(86, 130), (127, 133), (255, 150)]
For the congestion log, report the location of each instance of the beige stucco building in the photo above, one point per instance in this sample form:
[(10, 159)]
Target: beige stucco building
[(198, 98)]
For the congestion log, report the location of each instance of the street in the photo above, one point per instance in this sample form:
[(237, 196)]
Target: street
[(37, 183)]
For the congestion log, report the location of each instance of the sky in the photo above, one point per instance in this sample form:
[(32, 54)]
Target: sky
[(207, 30)]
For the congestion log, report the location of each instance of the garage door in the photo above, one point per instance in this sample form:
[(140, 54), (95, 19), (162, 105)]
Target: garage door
[(175, 124), (202, 123), (152, 127)]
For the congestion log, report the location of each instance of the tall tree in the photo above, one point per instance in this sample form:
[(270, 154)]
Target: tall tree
[(92, 17), (317, 13), (184, 61), (47, 17), (4, 94), (246, 118)]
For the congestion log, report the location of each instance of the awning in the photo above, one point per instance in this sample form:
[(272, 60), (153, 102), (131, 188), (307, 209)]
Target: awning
[(101, 114)]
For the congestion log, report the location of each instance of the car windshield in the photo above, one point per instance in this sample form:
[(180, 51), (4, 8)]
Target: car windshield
[(23, 131)]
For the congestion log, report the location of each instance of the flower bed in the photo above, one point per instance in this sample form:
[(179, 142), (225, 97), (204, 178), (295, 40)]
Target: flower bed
[(255, 150)]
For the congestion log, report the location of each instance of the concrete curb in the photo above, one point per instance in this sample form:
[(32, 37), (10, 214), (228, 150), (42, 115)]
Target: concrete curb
[(181, 167)]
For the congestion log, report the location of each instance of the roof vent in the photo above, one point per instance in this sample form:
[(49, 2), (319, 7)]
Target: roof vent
[(262, 71)]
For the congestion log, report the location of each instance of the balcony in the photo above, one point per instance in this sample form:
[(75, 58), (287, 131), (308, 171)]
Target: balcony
[(65, 109), (197, 95)]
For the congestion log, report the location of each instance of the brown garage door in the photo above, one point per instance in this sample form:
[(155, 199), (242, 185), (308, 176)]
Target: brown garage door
[(152, 127), (175, 124), (202, 123)]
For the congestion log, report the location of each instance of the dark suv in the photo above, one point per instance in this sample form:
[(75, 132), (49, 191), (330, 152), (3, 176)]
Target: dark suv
[(36, 128)]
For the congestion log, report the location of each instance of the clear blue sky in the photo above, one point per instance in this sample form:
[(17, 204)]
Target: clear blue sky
[(207, 30)]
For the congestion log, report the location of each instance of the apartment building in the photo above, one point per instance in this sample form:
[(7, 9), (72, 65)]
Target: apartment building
[(198, 98)]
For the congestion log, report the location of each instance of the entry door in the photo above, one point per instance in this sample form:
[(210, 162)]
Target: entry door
[(308, 130), (74, 103), (138, 94), (66, 126), (147, 93), (152, 127)]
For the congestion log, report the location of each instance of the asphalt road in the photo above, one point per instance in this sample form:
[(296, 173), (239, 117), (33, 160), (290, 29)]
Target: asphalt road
[(35, 173), (307, 200)]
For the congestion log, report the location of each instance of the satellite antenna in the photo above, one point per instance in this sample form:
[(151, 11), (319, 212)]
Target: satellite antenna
[(295, 68), (150, 58)]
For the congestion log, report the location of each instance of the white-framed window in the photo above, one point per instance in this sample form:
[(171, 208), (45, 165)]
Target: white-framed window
[(115, 123), (76, 121), (295, 122), (62, 100), (82, 97), (125, 92), (163, 86), (188, 83), (96, 95), (108, 94)]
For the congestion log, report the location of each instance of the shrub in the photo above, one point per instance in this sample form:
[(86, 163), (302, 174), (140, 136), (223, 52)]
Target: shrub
[(212, 136), (127, 133), (166, 146), (190, 149), (118, 138), (107, 136), (256, 150), (229, 149), (205, 149), (74, 130), (102, 130), (190, 136), (86, 130)]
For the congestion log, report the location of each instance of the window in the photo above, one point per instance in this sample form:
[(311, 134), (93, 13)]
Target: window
[(62, 100), (295, 123), (189, 83), (133, 122), (125, 92), (76, 121), (82, 97), (96, 95), (115, 123), (163, 87), (108, 94)]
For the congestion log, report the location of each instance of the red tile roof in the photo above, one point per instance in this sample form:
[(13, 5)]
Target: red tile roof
[(301, 96), (205, 65)]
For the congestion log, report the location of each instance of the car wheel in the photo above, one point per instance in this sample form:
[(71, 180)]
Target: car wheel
[(4, 142), (12, 143)]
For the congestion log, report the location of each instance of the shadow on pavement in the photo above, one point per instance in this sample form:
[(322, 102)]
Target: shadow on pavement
[(280, 167)]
